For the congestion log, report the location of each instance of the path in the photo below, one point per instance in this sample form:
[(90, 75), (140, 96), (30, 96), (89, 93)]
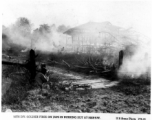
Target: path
[(82, 79)]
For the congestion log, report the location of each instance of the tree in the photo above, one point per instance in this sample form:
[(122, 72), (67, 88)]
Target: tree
[(23, 25), (41, 32), (22, 21), (62, 28), (44, 28)]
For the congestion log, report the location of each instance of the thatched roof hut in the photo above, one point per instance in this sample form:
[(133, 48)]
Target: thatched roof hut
[(99, 34)]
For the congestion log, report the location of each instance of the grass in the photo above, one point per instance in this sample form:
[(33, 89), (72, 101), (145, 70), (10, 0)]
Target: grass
[(130, 96), (17, 90), (81, 60), (75, 58)]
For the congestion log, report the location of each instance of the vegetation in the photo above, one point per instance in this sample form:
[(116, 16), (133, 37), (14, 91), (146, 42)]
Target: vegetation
[(129, 96)]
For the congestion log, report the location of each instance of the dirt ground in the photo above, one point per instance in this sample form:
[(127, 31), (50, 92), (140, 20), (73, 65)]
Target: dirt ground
[(105, 96)]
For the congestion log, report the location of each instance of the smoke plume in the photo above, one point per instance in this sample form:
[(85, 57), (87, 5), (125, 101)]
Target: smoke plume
[(46, 38), (136, 62), (49, 38)]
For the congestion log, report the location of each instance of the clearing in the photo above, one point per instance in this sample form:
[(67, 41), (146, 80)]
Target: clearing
[(105, 96)]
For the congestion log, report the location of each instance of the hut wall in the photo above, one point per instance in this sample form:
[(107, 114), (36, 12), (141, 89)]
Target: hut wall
[(84, 43)]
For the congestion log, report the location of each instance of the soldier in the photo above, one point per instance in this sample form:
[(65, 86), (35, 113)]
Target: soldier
[(41, 76)]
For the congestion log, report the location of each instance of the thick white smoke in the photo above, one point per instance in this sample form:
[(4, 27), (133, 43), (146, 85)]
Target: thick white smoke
[(45, 42), (137, 60), (17, 37)]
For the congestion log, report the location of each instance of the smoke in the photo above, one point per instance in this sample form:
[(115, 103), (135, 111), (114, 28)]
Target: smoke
[(17, 37), (47, 41), (49, 38), (46, 38), (137, 60)]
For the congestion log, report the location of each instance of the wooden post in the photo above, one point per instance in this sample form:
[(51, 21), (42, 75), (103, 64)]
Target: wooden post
[(121, 53), (31, 65)]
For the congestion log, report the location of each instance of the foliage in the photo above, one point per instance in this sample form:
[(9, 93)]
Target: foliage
[(19, 85), (23, 26), (62, 28), (44, 28)]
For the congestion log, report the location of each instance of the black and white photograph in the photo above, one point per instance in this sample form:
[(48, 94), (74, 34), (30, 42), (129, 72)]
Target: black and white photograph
[(76, 56)]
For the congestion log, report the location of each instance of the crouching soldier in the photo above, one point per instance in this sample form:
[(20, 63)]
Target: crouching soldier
[(41, 77)]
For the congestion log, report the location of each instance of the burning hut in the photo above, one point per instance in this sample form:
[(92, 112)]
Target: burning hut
[(103, 39), (91, 36)]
